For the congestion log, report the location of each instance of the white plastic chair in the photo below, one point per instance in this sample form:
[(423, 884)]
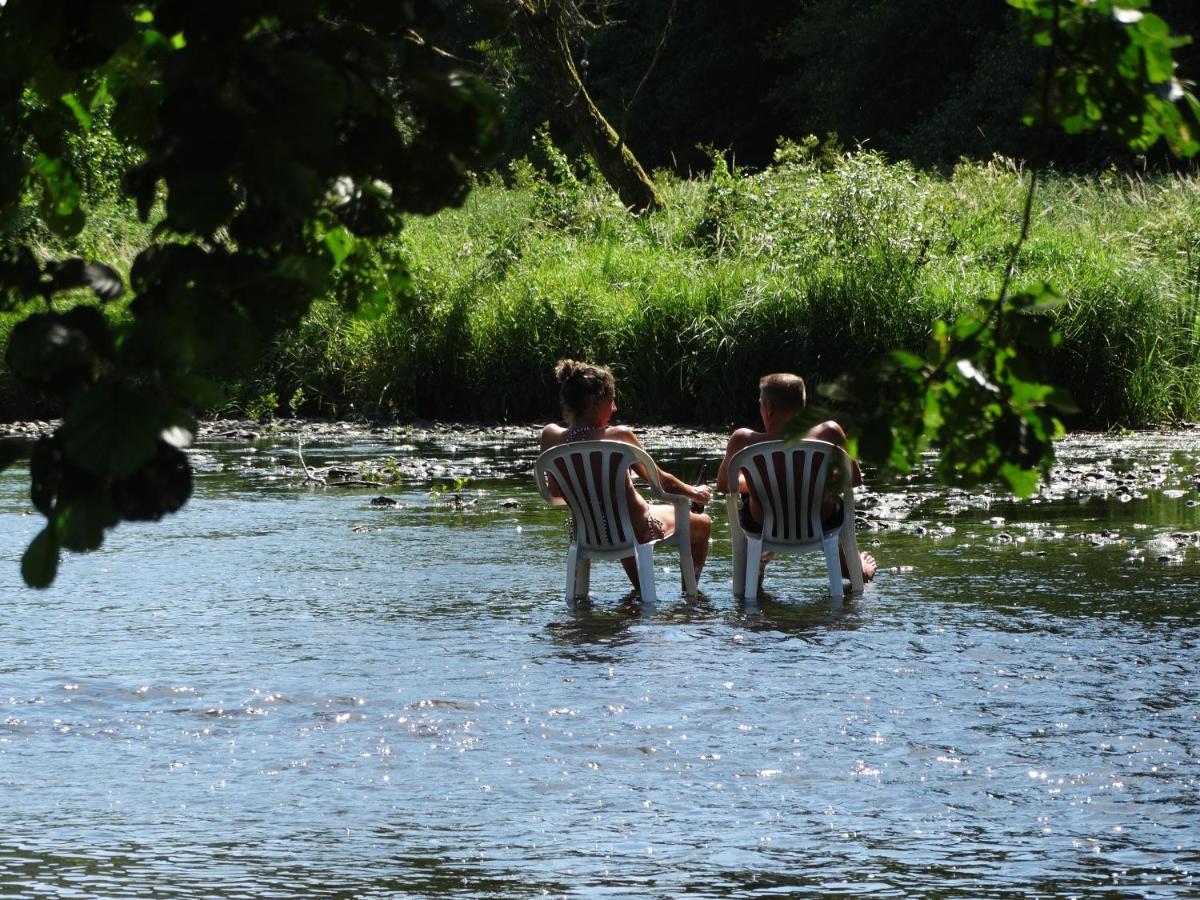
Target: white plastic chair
[(592, 478), (789, 480)]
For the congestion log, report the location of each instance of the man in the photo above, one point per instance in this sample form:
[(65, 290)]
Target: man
[(780, 398)]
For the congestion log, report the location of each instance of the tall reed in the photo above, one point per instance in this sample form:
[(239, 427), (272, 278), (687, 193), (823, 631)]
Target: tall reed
[(813, 265)]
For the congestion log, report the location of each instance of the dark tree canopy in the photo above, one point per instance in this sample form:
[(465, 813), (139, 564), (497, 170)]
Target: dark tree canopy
[(542, 30), (271, 141), (278, 137), (922, 80)]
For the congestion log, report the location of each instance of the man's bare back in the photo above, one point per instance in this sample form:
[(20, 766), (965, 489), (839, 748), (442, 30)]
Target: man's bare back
[(777, 408)]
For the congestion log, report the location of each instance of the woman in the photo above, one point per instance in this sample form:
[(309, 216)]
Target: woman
[(589, 398)]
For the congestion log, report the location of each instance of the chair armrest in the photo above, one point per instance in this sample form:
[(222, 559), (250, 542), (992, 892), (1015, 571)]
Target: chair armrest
[(683, 516), (673, 499), (732, 513), (682, 504)]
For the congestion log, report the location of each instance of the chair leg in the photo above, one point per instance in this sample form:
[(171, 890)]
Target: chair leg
[(853, 560), (583, 578), (572, 571), (833, 564), (645, 570), (739, 565), (688, 569), (752, 563)]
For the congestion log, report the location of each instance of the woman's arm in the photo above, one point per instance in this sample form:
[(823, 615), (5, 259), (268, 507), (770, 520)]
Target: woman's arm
[(552, 437), (700, 493)]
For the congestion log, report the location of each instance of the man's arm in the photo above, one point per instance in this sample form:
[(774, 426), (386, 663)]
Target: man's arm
[(741, 438), (831, 432)]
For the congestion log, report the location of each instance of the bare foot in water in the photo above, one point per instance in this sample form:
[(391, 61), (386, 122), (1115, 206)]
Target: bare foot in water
[(869, 566)]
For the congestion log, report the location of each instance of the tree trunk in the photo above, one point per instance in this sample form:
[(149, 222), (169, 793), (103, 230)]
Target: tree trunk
[(543, 43)]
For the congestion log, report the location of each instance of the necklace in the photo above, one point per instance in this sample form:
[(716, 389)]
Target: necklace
[(575, 431)]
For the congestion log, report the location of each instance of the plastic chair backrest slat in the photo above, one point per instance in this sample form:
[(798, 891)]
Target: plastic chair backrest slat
[(789, 484), (794, 520), (592, 478), (594, 502), (572, 492), (615, 479), (818, 480)]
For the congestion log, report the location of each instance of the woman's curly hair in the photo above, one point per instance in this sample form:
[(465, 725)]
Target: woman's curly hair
[(581, 384)]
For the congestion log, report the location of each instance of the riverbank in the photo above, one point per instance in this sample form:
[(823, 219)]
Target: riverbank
[(1113, 473), (815, 265), (812, 267)]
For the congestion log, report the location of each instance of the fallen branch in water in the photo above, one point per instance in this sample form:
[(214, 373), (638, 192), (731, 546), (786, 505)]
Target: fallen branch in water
[(308, 473)]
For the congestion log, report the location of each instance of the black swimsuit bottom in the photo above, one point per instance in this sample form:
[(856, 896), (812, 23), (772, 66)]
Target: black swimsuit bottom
[(749, 524)]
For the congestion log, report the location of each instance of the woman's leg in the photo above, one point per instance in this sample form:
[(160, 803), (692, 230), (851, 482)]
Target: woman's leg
[(701, 528)]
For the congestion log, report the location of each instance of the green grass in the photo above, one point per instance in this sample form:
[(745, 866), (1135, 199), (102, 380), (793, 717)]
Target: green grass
[(812, 266), (112, 234), (805, 267)]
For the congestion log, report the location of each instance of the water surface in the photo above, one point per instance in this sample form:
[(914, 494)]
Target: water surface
[(284, 691)]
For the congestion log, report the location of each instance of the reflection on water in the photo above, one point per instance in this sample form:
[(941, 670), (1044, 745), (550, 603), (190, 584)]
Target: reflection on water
[(286, 691)]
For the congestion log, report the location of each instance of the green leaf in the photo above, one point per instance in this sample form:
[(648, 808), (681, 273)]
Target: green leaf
[(112, 430), (10, 451), (838, 391), (60, 198), (908, 360), (340, 243), (79, 524), (199, 202), (1160, 65), (1152, 26), (373, 305), (1048, 301), (877, 441), (161, 486), (931, 412), (46, 466), (1022, 482), (82, 116), (1061, 399), (60, 184), (199, 393), (310, 271), (58, 351), (39, 565)]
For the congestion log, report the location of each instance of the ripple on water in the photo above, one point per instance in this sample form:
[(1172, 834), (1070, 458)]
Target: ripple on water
[(254, 699)]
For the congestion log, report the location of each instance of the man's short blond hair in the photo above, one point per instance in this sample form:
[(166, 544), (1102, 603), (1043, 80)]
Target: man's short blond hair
[(783, 391)]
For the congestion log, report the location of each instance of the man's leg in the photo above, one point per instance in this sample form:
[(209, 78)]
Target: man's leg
[(701, 530), (831, 432)]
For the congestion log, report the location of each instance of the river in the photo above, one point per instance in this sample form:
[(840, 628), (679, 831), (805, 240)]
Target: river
[(286, 691)]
